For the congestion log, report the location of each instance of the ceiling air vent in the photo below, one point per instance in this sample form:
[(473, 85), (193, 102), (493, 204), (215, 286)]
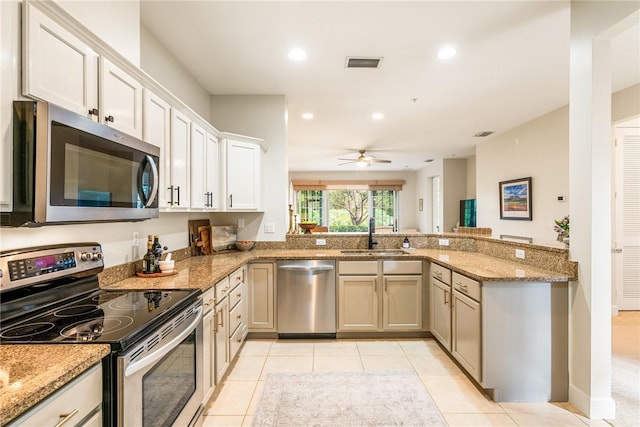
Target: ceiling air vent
[(483, 133), (360, 62)]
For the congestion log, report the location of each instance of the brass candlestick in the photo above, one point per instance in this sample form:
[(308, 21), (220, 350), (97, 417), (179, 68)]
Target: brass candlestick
[(292, 224)]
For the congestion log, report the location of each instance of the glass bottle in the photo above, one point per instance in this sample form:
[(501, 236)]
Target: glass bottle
[(149, 260), (157, 251), (405, 243)]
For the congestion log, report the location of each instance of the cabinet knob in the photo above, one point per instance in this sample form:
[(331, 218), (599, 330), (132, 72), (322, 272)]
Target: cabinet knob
[(109, 119), (93, 112)]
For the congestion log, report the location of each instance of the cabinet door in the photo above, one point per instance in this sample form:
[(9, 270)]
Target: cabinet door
[(212, 172), (260, 297), (402, 303), (178, 188), (120, 99), (57, 66), (156, 130), (208, 355), (198, 163), (243, 170), (222, 339), (441, 309), (357, 303), (466, 333)]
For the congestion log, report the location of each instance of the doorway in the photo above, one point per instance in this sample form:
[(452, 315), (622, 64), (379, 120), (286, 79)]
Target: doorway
[(626, 216)]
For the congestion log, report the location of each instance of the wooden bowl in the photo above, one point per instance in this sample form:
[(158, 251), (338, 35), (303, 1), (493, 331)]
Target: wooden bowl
[(244, 245), (307, 226)]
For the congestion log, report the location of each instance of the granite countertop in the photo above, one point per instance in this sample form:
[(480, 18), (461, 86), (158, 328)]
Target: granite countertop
[(30, 373), (204, 272)]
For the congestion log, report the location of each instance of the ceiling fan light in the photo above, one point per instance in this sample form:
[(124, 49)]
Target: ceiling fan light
[(362, 163)]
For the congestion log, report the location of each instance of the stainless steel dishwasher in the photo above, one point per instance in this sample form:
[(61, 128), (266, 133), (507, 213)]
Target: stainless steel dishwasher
[(306, 298)]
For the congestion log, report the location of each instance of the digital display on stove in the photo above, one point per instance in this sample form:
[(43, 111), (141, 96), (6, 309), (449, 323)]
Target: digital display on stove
[(45, 261), (29, 267)]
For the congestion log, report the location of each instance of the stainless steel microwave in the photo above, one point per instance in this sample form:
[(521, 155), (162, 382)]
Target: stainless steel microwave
[(68, 168)]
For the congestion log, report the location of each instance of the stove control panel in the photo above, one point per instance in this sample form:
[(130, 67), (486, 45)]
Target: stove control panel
[(33, 265)]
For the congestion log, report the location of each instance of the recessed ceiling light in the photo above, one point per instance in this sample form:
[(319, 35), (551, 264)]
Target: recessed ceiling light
[(297, 54), (307, 116), (377, 116), (447, 52)]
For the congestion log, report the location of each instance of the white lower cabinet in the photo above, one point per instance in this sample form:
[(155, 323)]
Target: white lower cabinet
[(383, 295), (261, 297), (456, 317), (466, 333), (441, 304), (357, 303), (208, 344), (79, 403), (221, 329)]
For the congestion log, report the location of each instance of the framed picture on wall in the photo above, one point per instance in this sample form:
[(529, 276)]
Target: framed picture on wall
[(515, 199)]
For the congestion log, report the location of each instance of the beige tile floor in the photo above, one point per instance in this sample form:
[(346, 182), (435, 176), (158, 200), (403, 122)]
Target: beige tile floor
[(458, 400)]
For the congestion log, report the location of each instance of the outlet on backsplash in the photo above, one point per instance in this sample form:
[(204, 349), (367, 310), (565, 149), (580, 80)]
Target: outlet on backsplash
[(520, 253), (443, 242)]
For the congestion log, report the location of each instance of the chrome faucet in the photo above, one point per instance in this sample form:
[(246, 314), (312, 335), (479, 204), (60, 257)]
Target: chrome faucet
[(372, 229)]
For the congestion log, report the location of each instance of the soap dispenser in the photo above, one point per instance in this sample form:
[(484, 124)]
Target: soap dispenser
[(405, 243)]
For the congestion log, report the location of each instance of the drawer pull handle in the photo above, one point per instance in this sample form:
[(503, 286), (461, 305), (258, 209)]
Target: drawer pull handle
[(66, 417), (445, 297), (209, 302), (463, 286)]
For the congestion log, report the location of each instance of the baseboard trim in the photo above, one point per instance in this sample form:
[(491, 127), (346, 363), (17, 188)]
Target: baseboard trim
[(614, 310), (592, 408)]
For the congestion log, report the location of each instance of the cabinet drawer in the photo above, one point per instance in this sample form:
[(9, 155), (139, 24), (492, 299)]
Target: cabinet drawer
[(222, 289), (209, 300), (235, 342), (235, 296), (466, 286), (83, 395), (401, 267), (357, 267), (236, 277), (441, 273), (235, 318)]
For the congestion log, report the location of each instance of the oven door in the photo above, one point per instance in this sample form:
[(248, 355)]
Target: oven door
[(160, 379)]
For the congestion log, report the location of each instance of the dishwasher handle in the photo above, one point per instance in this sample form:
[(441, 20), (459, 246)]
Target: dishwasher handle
[(305, 268)]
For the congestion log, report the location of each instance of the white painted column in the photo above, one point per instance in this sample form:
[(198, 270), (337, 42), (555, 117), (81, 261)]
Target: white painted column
[(590, 210)]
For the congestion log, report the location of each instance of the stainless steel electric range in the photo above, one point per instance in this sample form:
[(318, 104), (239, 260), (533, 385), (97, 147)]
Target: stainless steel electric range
[(50, 294)]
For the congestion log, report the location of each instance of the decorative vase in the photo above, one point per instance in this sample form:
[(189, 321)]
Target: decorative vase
[(307, 226), (566, 241)]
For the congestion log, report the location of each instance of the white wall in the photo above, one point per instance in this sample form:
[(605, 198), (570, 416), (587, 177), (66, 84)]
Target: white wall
[(539, 149), (407, 198), (454, 187), (471, 178), (160, 64), (115, 22), (424, 191), (260, 116)]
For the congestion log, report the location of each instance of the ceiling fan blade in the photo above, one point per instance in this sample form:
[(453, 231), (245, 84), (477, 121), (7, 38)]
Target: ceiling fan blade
[(349, 160), (378, 161), (346, 163)]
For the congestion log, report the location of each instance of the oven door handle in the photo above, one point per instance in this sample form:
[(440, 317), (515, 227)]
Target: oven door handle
[(166, 348)]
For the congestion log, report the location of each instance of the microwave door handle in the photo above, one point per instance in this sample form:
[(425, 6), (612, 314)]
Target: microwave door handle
[(154, 190)]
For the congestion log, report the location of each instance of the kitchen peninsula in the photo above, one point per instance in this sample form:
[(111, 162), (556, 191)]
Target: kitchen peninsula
[(523, 315)]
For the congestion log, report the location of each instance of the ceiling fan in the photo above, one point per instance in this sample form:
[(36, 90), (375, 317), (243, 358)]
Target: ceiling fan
[(363, 161)]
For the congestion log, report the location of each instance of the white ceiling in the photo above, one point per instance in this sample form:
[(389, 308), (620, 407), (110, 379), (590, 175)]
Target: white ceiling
[(512, 66)]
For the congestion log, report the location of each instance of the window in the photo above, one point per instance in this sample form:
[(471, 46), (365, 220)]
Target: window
[(349, 210)]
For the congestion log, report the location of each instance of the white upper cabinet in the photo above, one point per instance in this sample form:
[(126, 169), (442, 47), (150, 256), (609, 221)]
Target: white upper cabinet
[(156, 130), (60, 68), (204, 169), (242, 177), (177, 186), (120, 99), (57, 66)]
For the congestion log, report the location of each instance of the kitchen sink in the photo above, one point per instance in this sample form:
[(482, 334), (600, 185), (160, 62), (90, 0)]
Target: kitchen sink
[(374, 252)]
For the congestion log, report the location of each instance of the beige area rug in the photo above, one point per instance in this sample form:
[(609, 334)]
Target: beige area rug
[(346, 399)]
